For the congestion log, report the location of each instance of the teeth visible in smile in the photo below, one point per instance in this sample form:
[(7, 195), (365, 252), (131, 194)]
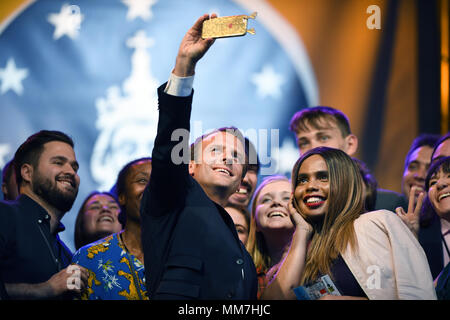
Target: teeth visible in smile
[(276, 214), (106, 218), (242, 191), (445, 195), (66, 182), (313, 200), (222, 170)]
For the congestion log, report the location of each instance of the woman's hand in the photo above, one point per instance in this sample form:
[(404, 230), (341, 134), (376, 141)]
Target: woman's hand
[(412, 217), (297, 219)]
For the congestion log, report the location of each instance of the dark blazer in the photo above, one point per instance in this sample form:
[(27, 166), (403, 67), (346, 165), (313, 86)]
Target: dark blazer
[(431, 241), (389, 200), (191, 246)]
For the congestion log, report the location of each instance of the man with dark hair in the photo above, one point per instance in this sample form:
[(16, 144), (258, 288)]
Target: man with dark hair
[(191, 247), (417, 162), (242, 196), (9, 184), (442, 148), (33, 259), (328, 127)]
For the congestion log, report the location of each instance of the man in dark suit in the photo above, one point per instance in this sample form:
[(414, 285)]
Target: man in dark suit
[(191, 247)]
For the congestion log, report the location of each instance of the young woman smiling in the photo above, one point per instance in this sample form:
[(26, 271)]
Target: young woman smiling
[(369, 256), (437, 184), (271, 227)]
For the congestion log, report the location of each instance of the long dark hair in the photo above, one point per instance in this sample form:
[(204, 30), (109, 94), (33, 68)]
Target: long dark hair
[(345, 204), (428, 214)]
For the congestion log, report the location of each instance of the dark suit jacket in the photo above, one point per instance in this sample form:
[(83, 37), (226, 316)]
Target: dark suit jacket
[(191, 247), (431, 241), (389, 200)]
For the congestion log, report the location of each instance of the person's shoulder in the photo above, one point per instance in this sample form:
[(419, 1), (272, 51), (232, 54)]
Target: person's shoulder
[(8, 211), (388, 199), (91, 250), (381, 216), (6, 205), (23, 204), (385, 220)]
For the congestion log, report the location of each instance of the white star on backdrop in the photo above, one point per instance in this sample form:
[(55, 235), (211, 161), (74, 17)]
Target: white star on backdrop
[(12, 77), (4, 150), (286, 156), (66, 22), (139, 8), (268, 82)]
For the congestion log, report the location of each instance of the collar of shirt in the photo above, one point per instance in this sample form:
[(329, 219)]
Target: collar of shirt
[(36, 211), (445, 227)]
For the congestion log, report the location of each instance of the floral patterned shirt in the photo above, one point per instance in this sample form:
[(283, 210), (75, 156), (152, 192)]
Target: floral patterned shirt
[(114, 274)]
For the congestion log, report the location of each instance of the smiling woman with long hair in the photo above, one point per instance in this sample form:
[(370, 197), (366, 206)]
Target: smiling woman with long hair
[(437, 185), (367, 256), (271, 228)]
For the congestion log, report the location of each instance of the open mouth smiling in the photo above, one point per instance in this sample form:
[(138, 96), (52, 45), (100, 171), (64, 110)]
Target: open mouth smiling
[(443, 196), (223, 170), (314, 201), (105, 218), (67, 182), (244, 189), (276, 213)]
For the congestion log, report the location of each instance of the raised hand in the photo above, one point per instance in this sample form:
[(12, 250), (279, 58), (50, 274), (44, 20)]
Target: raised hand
[(412, 217), (192, 48), (297, 219)]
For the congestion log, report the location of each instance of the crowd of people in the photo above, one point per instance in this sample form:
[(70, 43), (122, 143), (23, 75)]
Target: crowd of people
[(205, 229)]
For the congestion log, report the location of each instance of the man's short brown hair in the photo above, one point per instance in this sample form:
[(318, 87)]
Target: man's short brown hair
[(313, 116)]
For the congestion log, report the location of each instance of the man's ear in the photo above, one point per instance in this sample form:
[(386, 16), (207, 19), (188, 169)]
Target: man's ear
[(191, 167), (26, 171), (351, 144), (122, 199)]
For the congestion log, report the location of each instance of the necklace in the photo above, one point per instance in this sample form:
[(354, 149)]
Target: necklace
[(133, 272)]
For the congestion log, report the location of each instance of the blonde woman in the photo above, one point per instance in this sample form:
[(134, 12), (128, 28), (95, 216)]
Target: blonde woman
[(271, 228), (367, 256)]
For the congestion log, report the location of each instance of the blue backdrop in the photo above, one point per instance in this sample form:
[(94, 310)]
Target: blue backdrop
[(91, 69)]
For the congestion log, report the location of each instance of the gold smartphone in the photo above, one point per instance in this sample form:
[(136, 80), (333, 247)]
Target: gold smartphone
[(230, 26)]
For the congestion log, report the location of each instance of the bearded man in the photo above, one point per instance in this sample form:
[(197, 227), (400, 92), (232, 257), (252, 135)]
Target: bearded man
[(33, 259)]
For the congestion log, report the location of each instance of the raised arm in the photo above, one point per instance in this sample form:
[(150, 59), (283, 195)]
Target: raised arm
[(192, 48), (170, 155)]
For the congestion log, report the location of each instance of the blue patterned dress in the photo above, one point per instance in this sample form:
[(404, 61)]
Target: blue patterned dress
[(114, 274)]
